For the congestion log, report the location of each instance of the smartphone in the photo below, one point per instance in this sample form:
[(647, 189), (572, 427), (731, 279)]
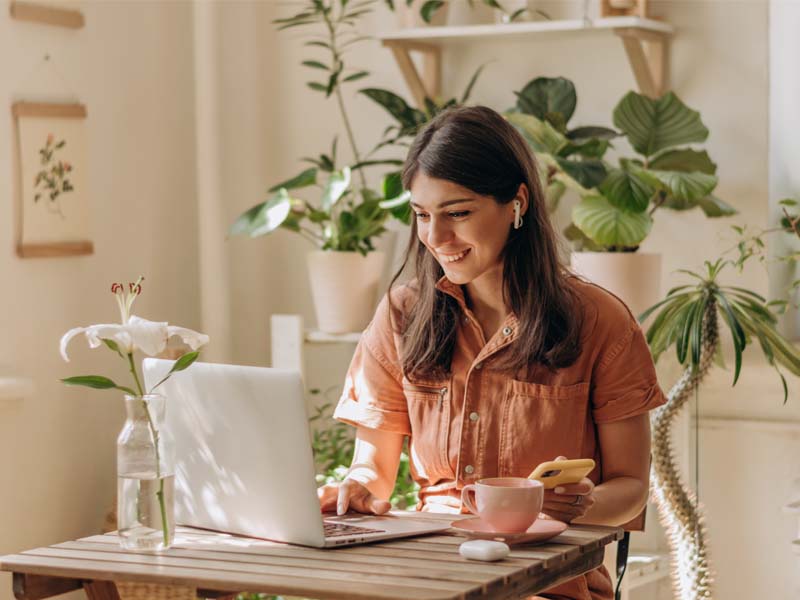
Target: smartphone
[(560, 472)]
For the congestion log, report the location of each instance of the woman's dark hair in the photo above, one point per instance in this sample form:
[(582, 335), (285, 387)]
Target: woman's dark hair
[(478, 149)]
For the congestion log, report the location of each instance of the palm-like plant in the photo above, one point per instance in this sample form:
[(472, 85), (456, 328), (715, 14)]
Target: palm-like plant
[(688, 318)]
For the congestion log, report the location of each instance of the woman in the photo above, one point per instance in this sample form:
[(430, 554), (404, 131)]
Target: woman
[(494, 358)]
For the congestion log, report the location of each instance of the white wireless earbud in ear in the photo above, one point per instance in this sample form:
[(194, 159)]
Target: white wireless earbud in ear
[(517, 216)]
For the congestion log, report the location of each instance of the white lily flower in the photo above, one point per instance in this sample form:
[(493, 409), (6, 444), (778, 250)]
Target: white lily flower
[(134, 332), (137, 334)]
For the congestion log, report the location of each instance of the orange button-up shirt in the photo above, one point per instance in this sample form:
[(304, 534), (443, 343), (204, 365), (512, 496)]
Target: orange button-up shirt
[(485, 422)]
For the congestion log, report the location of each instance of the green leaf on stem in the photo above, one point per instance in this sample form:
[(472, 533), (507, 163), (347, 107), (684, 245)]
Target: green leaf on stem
[(182, 363), (315, 64), (97, 382), (655, 125), (429, 8), (113, 345), (304, 179), (609, 226), (265, 217), (545, 95)]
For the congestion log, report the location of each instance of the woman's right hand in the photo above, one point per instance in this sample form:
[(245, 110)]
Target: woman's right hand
[(350, 494)]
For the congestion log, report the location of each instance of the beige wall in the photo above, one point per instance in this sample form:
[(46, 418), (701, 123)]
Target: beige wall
[(132, 67)]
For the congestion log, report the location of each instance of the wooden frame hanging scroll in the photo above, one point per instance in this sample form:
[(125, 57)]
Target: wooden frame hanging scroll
[(51, 180), (46, 14)]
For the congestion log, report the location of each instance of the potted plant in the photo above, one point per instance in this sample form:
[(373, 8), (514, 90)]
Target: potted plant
[(347, 216), (617, 202), (689, 319)]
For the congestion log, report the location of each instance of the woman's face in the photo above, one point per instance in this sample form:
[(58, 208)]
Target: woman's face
[(465, 232)]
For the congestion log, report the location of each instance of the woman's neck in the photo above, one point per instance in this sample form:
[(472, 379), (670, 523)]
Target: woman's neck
[(484, 297)]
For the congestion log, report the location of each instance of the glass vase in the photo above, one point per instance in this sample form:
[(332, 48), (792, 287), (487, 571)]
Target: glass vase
[(145, 476)]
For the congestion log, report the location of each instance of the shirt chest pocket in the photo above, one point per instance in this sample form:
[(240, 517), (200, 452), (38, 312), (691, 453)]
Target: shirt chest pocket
[(429, 415), (540, 422)]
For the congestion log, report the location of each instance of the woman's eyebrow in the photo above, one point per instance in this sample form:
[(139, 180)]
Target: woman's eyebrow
[(445, 203)]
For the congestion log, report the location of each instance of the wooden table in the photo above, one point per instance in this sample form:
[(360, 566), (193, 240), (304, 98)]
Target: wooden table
[(211, 565)]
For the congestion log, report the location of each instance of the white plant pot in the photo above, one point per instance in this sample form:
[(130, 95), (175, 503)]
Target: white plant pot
[(408, 16), (344, 286), (633, 276)]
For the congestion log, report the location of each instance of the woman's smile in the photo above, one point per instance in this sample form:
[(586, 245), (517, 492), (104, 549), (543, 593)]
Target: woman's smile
[(452, 258)]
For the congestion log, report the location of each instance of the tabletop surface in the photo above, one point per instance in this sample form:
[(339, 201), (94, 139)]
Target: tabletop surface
[(427, 567)]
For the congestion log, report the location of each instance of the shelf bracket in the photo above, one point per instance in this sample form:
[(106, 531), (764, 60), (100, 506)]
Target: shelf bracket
[(648, 56), (429, 84)]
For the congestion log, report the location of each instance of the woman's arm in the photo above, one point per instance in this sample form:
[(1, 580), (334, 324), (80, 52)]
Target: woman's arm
[(375, 460), (625, 455), (370, 481)]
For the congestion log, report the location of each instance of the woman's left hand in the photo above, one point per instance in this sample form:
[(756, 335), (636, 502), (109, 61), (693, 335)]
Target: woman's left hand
[(567, 502)]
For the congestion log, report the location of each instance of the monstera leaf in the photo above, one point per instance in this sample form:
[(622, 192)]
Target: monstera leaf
[(655, 125), (609, 226), (551, 99)]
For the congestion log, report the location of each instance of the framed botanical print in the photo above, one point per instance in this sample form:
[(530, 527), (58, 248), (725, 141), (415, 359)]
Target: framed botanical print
[(51, 180)]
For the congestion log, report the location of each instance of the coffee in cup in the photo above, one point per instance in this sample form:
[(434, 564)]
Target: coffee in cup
[(507, 504)]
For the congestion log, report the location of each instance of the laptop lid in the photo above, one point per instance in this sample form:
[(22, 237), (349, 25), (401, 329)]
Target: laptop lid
[(243, 450)]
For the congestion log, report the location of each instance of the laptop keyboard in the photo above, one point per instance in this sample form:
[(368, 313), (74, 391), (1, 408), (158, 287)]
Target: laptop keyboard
[(339, 529)]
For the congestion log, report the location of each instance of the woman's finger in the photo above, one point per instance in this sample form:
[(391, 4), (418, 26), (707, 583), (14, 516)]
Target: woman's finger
[(327, 495)]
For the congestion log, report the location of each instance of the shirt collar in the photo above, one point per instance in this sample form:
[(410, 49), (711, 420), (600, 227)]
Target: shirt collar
[(446, 286)]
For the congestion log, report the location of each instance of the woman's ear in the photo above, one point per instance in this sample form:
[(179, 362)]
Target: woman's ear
[(522, 196)]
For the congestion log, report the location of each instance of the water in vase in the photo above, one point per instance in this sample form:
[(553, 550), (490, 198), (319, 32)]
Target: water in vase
[(145, 518)]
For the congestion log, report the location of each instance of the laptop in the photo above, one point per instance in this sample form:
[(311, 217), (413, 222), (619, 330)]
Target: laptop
[(244, 463)]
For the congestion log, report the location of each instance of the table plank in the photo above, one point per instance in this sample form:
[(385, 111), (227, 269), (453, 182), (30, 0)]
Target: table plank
[(221, 580), (422, 568), (455, 571)]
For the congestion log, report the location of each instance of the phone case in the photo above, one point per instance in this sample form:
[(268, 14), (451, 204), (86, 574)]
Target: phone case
[(561, 472)]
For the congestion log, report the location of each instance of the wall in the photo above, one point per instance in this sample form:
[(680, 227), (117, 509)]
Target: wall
[(132, 67)]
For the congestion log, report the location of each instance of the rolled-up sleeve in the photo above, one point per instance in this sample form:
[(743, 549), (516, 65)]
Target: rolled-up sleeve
[(373, 392), (624, 383)]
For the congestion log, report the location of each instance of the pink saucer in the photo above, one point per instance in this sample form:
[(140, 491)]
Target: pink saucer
[(542, 530)]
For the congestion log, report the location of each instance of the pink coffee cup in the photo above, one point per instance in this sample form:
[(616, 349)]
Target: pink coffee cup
[(508, 504)]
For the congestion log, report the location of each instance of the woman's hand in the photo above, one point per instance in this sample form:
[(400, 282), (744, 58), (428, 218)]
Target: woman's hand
[(350, 494), (567, 502)]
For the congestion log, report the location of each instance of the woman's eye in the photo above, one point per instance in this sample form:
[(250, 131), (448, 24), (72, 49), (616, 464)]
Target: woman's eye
[(459, 214), (421, 216)]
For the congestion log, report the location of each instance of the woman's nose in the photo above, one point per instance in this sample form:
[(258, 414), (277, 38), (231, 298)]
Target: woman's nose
[(438, 233)]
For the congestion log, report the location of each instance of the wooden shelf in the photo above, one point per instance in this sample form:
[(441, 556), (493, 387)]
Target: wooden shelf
[(645, 42), (429, 34)]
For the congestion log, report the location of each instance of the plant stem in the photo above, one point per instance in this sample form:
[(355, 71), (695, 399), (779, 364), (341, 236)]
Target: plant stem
[(337, 90), (154, 432)]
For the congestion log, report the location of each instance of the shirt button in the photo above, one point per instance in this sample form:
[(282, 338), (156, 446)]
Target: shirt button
[(507, 330), (473, 416), (479, 366), (469, 469)]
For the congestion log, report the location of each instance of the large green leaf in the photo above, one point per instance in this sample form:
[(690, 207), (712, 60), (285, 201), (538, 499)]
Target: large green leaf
[(304, 179), (409, 118), (591, 132), (655, 125), (265, 217), (684, 159), (609, 226), (545, 95), (628, 189), (429, 8), (594, 148), (714, 207), (541, 136), (589, 173), (337, 185), (685, 189)]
